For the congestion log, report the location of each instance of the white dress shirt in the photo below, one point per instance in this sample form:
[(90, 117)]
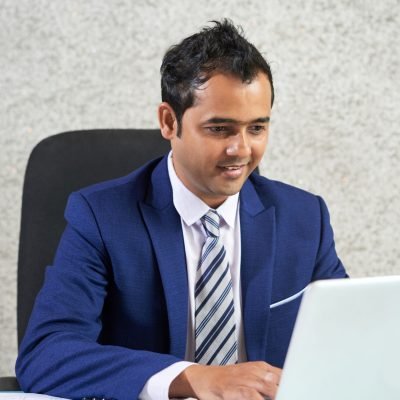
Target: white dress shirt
[(191, 209)]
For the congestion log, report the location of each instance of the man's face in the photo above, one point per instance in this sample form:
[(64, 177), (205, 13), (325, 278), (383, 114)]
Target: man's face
[(224, 135)]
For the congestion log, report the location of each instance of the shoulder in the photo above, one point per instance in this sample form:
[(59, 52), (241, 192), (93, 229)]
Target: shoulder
[(278, 193), (117, 194), (291, 204), (135, 184)]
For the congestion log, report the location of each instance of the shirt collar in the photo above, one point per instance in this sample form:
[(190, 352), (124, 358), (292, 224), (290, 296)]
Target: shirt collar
[(191, 208)]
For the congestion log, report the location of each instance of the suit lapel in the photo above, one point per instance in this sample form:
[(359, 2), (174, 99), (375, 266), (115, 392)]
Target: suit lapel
[(164, 226), (257, 224)]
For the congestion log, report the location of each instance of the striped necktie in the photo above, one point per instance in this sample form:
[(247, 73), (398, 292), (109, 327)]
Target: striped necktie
[(215, 333)]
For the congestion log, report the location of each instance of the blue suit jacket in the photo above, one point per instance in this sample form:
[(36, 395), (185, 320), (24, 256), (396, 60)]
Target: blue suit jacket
[(113, 309)]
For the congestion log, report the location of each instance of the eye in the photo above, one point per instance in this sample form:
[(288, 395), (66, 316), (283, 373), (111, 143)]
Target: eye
[(219, 129), (257, 129)]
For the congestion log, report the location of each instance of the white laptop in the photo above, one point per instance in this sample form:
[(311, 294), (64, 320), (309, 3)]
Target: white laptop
[(346, 342)]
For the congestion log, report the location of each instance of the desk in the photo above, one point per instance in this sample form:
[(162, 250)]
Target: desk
[(26, 396), (32, 396)]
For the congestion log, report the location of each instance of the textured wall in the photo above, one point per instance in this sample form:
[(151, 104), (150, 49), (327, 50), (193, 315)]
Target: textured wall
[(69, 64)]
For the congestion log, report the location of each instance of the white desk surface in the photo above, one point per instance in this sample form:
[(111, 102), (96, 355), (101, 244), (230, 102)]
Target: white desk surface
[(32, 396), (26, 396)]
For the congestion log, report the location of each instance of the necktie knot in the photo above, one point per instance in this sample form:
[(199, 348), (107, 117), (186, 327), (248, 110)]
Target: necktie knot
[(211, 221)]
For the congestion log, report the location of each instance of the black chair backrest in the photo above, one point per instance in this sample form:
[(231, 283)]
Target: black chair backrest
[(57, 166)]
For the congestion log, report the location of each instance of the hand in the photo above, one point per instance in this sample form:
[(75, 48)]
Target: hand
[(251, 380)]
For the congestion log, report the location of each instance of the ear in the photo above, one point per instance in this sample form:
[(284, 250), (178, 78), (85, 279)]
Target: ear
[(167, 121)]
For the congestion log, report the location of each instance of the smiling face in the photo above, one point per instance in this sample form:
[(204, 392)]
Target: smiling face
[(223, 135)]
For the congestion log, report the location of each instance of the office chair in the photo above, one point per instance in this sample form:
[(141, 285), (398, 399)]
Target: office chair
[(57, 166)]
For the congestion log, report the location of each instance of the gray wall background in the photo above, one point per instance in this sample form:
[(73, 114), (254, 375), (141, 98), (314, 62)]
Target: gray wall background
[(72, 64)]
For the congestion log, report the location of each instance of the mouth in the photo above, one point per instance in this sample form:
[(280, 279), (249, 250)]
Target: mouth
[(232, 167), (232, 171)]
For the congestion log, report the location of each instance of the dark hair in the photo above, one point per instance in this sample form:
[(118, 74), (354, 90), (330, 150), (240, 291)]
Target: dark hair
[(189, 64)]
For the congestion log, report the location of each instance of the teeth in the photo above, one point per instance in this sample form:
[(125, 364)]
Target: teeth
[(232, 168)]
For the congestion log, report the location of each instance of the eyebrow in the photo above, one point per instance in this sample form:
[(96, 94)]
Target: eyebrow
[(217, 120)]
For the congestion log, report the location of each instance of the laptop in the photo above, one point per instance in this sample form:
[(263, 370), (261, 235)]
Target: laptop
[(346, 342)]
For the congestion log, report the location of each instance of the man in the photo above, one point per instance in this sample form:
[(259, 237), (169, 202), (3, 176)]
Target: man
[(184, 278)]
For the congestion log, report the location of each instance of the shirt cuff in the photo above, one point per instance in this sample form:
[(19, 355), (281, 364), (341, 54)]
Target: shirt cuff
[(157, 387)]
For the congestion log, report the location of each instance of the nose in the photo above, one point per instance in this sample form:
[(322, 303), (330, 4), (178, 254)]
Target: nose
[(239, 145)]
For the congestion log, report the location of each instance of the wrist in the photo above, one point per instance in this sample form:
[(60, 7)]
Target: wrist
[(182, 385)]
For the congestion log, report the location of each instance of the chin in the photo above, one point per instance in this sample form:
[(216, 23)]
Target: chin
[(232, 190)]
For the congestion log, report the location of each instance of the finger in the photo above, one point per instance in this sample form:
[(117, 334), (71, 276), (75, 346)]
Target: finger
[(272, 377), (275, 370), (271, 385), (261, 368)]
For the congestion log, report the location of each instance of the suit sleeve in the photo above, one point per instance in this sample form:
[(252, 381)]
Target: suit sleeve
[(60, 354), (328, 265)]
